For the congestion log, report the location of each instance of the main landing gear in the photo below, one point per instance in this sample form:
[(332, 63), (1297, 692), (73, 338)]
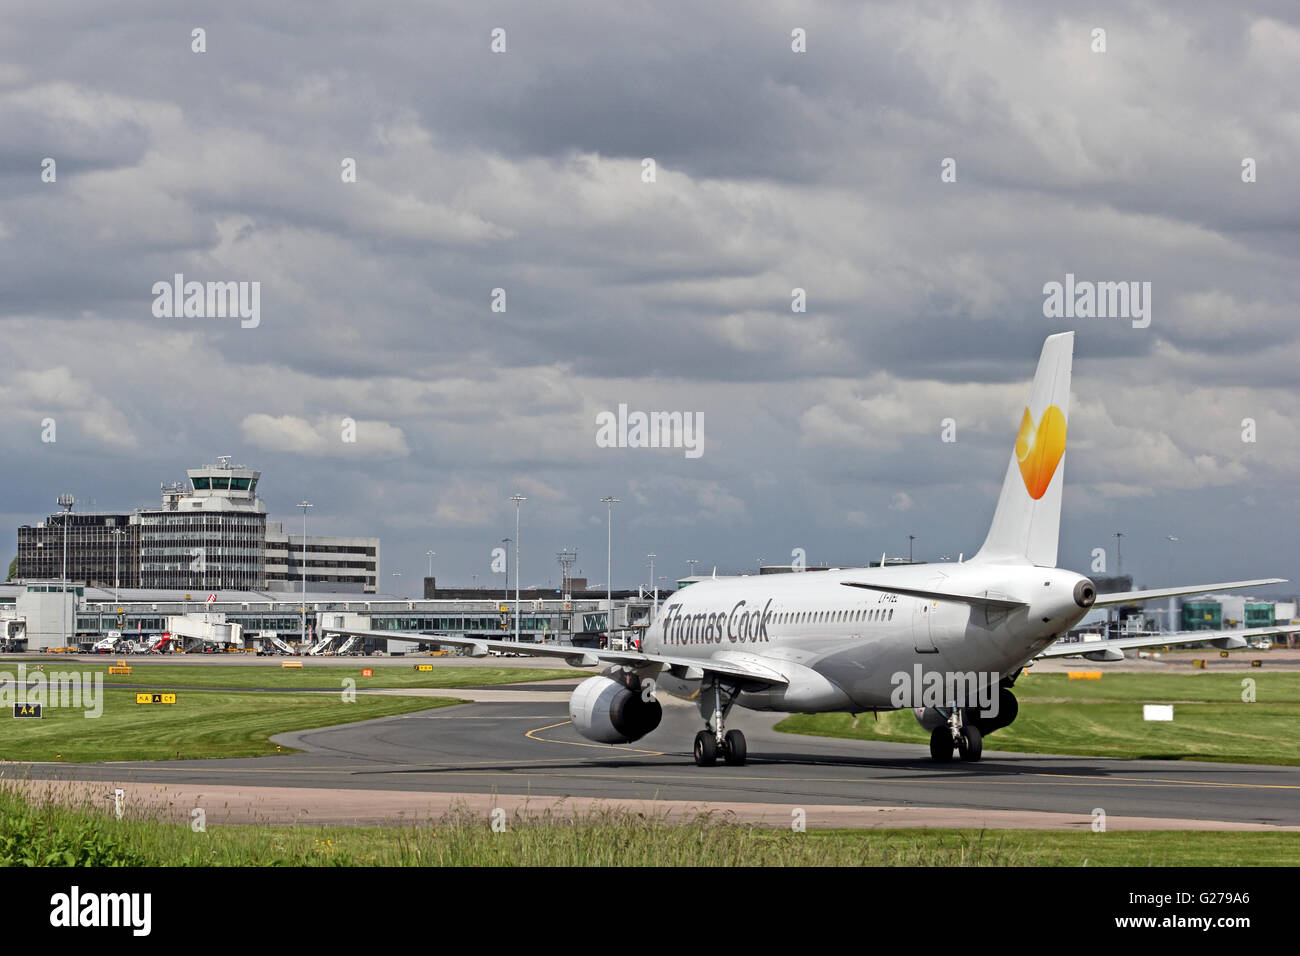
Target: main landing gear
[(959, 734), (714, 739)]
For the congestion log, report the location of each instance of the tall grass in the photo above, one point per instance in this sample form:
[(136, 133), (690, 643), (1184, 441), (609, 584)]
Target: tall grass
[(48, 831)]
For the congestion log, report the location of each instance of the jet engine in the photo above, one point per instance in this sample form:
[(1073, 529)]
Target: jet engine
[(612, 712), (929, 718)]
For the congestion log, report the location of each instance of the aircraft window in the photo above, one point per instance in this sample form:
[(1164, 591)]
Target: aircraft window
[(891, 613)]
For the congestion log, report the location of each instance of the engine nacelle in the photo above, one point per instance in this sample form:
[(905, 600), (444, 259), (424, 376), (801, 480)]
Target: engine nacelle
[(610, 712), (929, 718)]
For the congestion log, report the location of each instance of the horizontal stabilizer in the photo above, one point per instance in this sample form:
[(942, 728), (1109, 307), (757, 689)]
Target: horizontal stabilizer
[(982, 600), (1127, 597), (1232, 637)]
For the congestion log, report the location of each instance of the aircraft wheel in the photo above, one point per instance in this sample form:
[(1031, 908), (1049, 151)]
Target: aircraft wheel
[(941, 744), (970, 745), (733, 748), (706, 749)]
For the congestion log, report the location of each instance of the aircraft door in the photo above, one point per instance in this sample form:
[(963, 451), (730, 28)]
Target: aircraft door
[(922, 611)]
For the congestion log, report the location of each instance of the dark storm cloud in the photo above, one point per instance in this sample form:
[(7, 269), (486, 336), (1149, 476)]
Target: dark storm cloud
[(522, 171)]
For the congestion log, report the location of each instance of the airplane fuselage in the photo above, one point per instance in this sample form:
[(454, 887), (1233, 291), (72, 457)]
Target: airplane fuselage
[(841, 647)]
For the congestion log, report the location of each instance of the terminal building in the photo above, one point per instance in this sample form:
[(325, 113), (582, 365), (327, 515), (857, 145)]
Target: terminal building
[(41, 615), (209, 534)]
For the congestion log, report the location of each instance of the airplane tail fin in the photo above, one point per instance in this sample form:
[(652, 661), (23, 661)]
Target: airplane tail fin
[(1027, 522)]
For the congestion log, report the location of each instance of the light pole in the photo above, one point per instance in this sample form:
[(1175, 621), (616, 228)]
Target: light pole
[(65, 502), (652, 569), (692, 562), (396, 583), (1119, 554), (610, 502), (117, 547), (518, 500), (1173, 601), (304, 505), (910, 539), (507, 542), (431, 554)]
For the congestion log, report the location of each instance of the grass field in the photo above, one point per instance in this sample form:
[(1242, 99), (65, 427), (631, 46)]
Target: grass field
[(42, 834), (1104, 718), (273, 676), (202, 723)]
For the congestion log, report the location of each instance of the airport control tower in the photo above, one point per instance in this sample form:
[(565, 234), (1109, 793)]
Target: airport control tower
[(222, 487), (207, 536)]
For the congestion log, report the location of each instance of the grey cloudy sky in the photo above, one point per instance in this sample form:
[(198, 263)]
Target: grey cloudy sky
[(522, 171)]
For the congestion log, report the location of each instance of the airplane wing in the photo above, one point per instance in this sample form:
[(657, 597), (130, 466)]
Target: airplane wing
[(687, 668), (1125, 597), (1113, 650)]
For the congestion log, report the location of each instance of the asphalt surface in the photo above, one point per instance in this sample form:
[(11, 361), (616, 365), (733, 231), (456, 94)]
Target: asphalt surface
[(527, 747)]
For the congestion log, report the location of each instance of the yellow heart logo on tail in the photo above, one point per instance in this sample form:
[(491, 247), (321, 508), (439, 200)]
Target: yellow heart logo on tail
[(1039, 450)]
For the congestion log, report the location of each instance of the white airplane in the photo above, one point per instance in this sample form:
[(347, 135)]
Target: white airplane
[(946, 639)]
